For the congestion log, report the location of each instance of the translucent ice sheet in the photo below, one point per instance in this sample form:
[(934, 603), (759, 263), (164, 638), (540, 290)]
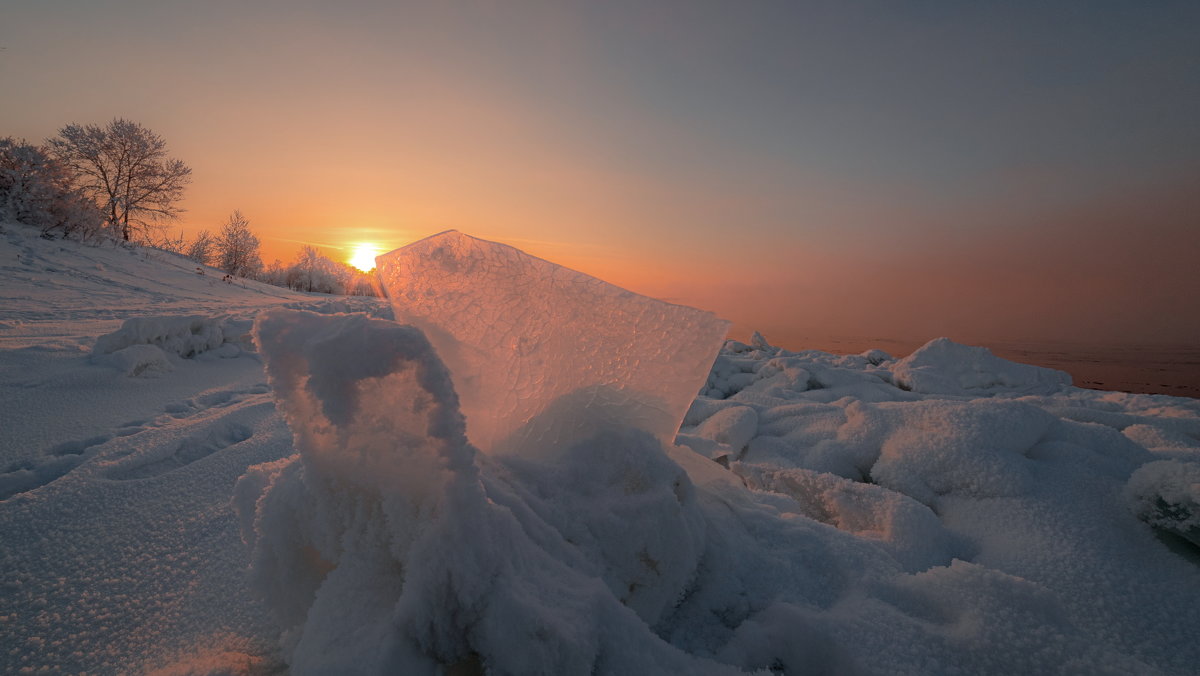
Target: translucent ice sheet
[(542, 355)]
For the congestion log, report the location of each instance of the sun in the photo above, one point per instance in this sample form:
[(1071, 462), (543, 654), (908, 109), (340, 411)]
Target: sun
[(363, 257)]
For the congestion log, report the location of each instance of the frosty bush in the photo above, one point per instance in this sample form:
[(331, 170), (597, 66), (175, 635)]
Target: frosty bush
[(36, 189), (237, 247), (203, 249)]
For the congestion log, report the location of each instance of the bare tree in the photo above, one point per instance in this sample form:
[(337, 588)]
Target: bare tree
[(124, 168), (166, 242), (237, 247)]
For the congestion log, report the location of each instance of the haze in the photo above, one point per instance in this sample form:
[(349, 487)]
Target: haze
[(1025, 171)]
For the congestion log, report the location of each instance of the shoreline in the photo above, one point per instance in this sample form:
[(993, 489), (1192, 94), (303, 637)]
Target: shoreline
[(1139, 369)]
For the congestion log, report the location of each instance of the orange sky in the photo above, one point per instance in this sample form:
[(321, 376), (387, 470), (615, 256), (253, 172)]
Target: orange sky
[(805, 171)]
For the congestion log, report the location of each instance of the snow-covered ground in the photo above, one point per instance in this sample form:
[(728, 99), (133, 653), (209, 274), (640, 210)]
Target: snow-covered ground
[(947, 513)]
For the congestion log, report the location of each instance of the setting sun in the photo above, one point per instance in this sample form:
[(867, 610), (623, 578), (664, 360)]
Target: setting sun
[(363, 257)]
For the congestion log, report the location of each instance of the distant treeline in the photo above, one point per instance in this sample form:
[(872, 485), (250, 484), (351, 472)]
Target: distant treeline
[(115, 183)]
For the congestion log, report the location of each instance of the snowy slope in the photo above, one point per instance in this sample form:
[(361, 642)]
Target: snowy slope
[(118, 540), (945, 513)]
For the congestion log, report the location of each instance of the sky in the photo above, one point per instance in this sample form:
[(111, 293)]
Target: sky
[(985, 171)]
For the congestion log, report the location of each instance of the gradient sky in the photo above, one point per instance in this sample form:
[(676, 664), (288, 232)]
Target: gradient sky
[(986, 171)]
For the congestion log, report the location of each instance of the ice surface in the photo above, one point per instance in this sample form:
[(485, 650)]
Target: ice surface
[(942, 366), (543, 355)]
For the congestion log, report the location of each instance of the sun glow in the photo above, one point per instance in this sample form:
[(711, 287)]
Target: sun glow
[(363, 257)]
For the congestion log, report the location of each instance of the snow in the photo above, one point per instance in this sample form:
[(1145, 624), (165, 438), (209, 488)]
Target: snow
[(313, 498), (945, 367), (137, 361), (1166, 494), (182, 336)]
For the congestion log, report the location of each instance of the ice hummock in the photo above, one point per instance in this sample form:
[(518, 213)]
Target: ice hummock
[(943, 366), (542, 355)]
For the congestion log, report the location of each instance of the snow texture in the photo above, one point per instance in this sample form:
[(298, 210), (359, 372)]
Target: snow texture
[(1166, 495), (182, 336), (944, 367), (137, 361), (543, 355)]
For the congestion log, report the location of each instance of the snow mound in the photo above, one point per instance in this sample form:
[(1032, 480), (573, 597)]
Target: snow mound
[(905, 528), (1166, 495), (389, 545), (733, 427), (185, 336), (942, 366), (216, 663), (137, 361), (964, 448), (543, 355)]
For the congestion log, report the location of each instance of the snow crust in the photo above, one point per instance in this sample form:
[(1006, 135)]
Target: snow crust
[(543, 355)]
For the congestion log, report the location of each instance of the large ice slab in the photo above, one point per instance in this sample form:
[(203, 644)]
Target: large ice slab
[(543, 355)]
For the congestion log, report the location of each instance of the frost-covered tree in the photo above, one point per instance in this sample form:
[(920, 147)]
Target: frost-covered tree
[(125, 169), (203, 249), (36, 189), (313, 272), (274, 274), (237, 247), (316, 273)]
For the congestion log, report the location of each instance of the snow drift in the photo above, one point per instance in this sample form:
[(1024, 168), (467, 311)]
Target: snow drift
[(942, 366), (142, 345), (1166, 495)]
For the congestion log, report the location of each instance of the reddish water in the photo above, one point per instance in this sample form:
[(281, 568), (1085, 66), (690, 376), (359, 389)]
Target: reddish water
[(1145, 369)]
